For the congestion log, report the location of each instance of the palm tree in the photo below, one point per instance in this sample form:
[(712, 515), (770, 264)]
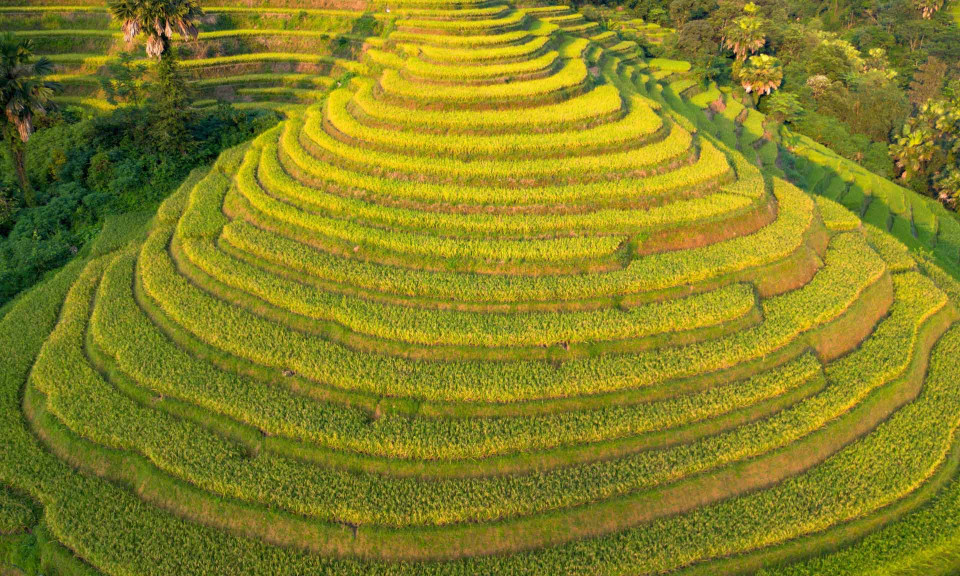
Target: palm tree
[(913, 150), (760, 75), (928, 7), (24, 94), (157, 19), (745, 34)]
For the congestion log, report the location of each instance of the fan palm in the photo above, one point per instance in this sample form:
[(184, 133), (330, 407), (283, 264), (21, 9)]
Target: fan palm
[(158, 20), (913, 151), (928, 7), (744, 36), (24, 94), (760, 75)]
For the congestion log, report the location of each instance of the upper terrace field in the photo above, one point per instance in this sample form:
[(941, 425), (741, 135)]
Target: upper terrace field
[(242, 53), (497, 304)]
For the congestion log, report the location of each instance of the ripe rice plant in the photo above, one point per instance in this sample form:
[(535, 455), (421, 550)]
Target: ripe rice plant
[(342, 427), (499, 295), (603, 102), (458, 41), (603, 374), (453, 328), (278, 184), (711, 166), (542, 250), (639, 124), (466, 56), (510, 21), (671, 148), (569, 80), (650, 274), (416, 69)]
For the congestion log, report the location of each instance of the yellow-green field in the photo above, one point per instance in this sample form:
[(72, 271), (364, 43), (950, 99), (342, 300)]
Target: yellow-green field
[(243, 54), (502, 300)]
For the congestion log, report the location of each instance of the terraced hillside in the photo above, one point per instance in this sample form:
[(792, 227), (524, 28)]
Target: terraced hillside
[(242, 54), (492, 306), (921, 223)]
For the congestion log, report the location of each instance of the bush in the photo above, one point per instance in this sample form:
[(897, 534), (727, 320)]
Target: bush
[(837, 136)]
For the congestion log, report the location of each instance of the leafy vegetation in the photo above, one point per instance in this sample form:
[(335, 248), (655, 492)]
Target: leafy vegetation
[(24, 94), (84, 169)]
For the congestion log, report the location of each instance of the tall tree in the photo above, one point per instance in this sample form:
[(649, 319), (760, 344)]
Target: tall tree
[(928, 80), (125, 81), (157, 19), (682, 11), (24, 94), (784, 107), (169, 110), (744, 36), (928, 151), (928, 7), (759, 75)]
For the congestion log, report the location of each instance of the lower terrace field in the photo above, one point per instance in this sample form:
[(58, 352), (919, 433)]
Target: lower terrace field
[(496, 297)]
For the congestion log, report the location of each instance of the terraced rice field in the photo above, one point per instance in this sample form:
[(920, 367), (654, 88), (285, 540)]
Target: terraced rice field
[(927, 228), (243, 54), (495, 305), (923, 224)]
